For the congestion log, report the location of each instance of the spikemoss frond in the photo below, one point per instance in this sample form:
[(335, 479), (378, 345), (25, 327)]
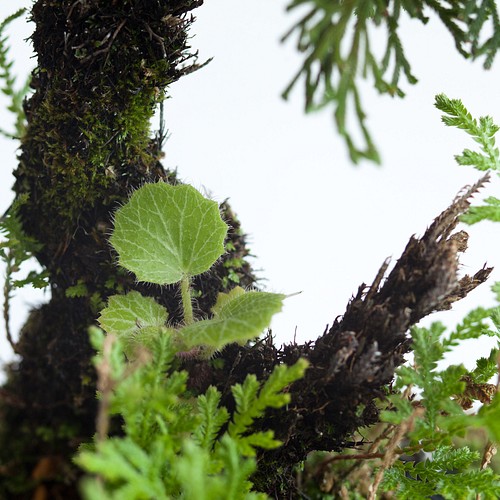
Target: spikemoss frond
[(8, 79)]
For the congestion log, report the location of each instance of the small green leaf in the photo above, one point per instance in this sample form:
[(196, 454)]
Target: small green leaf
[(238, 317), (78, 290), (489, 211), (253, 399), (126, 314), (165, 233), (121, 460), (264, 440)]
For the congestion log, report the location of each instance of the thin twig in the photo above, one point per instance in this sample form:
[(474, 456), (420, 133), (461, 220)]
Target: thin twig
[(105, 385), (7, 289), (393, 452), (375, 445)]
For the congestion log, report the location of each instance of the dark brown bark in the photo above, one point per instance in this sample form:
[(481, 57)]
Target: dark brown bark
[(353, 362), (102, 68)]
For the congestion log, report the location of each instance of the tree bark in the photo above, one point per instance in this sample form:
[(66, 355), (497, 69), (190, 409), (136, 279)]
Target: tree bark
[(352, 364), (102, 69)]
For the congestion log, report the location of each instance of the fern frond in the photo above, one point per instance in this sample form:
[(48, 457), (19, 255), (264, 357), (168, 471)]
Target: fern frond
[(213, 418), (482, 131), (252, 403), (193, 469), (474, 325), (486, 368), (8, 87), (133, 473), (425, 479), (489, 211)]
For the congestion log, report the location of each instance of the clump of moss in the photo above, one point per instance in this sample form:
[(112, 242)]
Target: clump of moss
[(102, 70)]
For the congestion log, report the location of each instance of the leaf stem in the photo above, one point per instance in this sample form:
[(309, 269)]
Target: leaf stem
[(187, 304)]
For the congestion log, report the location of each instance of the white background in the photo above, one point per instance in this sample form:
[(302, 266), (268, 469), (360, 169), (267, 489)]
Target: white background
[(316, 223)]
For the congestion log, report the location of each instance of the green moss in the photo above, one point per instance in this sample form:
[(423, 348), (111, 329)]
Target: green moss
[(78, 290), (51, 434), (87, 144)]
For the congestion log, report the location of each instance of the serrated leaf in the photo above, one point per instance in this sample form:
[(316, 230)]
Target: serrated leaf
[(165, 233), (125, 314), (225, 298), (238, 319)]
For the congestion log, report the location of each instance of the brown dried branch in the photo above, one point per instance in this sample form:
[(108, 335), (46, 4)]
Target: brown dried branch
[(7, 290), (105, 386), (392, 453), (353, 362), (356, 358)]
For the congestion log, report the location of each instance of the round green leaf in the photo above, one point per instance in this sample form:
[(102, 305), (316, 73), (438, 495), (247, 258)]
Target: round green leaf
[(125, 314), (238, 316), (165, 233)]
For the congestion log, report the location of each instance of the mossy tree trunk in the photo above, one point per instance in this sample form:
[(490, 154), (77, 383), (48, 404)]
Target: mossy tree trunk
[(102, 69)]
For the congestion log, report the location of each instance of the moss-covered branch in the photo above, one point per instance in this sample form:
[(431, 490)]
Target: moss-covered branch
[(102, 68)]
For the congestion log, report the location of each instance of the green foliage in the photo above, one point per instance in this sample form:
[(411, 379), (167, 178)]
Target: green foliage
[(474, 325), (441, 391), (78, 290), (422, 480), (489, 211), (242, 316), (169, 233), (176, 445), (445, 394), (126, 314), (195, 467), (16, 251), (483, 132), (8, 86), (213, 418), (251, 404), (123, 463), (336, 41), (17, 248), (165, 233), (486, 368)]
